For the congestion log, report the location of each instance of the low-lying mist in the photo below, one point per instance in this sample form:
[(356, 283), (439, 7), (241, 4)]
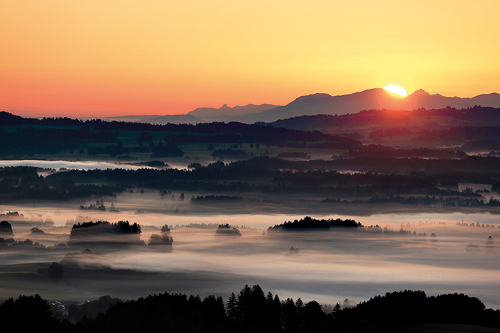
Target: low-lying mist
[(79, 165), (427, 251)]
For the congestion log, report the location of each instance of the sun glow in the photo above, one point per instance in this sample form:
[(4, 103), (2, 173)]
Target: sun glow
[(396, 90)]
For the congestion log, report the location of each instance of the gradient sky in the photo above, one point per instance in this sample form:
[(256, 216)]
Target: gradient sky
[(99, 58)]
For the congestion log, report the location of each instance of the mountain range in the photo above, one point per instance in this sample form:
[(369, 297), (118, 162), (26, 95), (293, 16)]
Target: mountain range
[(371, 99), (377, 98), (226, 113), (199, 115)]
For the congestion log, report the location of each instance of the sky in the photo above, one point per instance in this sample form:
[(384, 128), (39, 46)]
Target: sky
[(109, 58)]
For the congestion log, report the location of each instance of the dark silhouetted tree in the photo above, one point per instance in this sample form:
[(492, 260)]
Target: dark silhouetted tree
[(232, 307), (55, 271), (5, 229)]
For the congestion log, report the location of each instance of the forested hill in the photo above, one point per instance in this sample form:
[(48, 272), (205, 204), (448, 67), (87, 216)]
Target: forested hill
[(207, 132), (474, 116), (252, 310)]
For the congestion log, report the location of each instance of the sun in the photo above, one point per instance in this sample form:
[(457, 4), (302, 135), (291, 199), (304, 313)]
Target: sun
[(394, 89)]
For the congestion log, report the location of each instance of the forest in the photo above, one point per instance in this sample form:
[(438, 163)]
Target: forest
[(423, 182), (252, 310), (308, 223)]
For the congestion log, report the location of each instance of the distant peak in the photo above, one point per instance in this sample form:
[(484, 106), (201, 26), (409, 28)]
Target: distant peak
[(420, 92), (224, 107), (318, 94), (313, 96)]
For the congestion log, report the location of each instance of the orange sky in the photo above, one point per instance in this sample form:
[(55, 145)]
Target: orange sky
[(113, 57)]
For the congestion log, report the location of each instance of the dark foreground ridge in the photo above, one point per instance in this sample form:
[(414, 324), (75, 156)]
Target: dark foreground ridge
[(254, 311)]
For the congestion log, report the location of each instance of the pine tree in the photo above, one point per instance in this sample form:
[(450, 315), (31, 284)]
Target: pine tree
[(232, 307)]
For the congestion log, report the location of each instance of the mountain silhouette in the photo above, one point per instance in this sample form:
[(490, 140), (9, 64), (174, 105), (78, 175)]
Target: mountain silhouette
[(377, 98), (197, 116), (226, 113)]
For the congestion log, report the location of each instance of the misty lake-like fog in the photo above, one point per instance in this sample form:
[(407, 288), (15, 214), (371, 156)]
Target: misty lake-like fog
[(77, 165), (329, 266)]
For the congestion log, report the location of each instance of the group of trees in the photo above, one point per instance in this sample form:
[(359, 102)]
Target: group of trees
[(6, 229), (215, 198), (231, 154), (472, 133), (162, 239), (384, 151), (27, 244), (310, 223), (425, 200), (227, 230), (169, 149), (48, 140), (397, 311), (270, 175), (101, 227), (389, 132), (105, 233), (251, 310), (294, 154), (116, 149), (121, 233), (7, 240), (25, 183), (99, 205), (279, 175), (219, 132)]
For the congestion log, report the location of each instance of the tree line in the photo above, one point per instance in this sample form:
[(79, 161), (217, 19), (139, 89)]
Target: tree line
[(313, 224), (261, 174), (50, 138), (252, 310)]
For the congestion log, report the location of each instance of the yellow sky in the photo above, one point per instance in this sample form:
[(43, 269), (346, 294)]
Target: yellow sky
[(95, 57)]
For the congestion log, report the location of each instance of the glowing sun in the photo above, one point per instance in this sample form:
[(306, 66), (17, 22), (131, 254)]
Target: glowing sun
[(392, 88)]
